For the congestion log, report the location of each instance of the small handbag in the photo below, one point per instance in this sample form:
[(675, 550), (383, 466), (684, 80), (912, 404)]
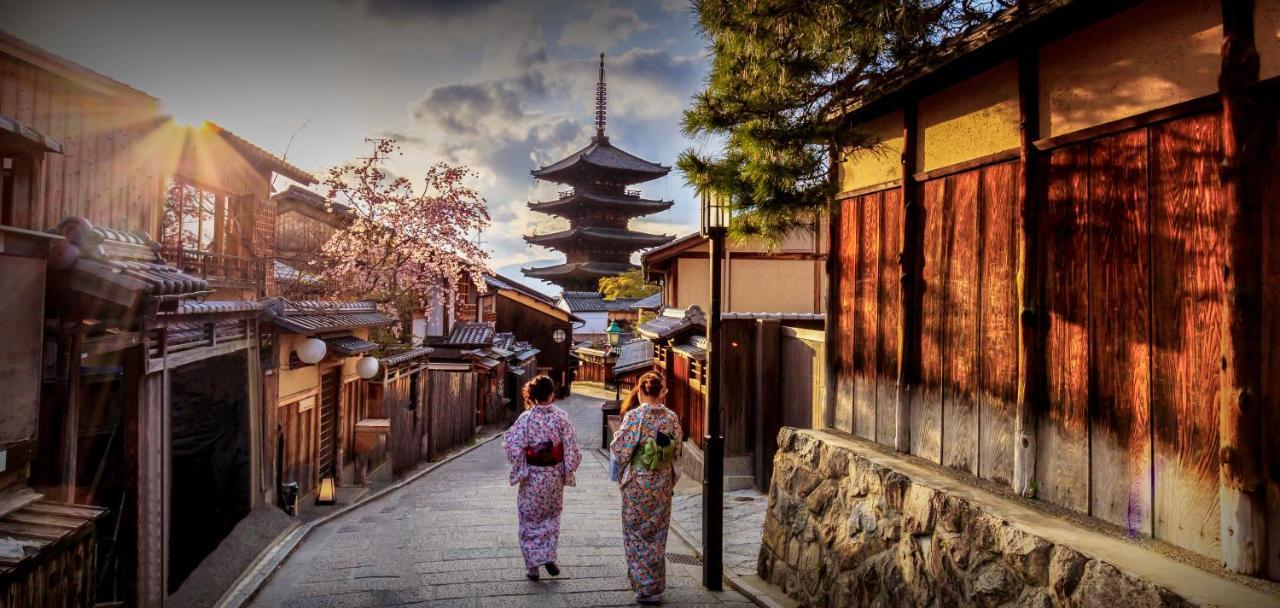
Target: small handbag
[(615, 469)]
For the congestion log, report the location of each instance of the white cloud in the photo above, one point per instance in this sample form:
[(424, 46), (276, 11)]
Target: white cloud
[(604, 28)]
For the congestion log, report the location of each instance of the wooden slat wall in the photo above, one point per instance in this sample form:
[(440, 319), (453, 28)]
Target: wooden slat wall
[(998, 320), (845, 307), (104, 173), (737, 392), (889, 301), (865, 265), (407, 423), (1062, 462), (926, 407), (300, 442), (1119, 330), (1187, 257), (962, 245), (452, 410)]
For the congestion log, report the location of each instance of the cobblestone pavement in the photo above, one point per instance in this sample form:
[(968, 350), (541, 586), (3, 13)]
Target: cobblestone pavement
[(449, 539), (744, 512)]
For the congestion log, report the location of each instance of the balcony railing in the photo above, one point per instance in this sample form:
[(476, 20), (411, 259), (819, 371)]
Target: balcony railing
[(219, 269)]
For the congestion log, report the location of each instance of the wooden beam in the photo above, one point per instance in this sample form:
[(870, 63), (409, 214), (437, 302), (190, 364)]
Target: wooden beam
[(1024, 430), (71, 419), (909, 281), (1241, 491)]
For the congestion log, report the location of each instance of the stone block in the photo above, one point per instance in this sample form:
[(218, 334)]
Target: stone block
[(919, 509), (834, 463), (1026, 554), (1065, 568), (821, 498), (994, 585)]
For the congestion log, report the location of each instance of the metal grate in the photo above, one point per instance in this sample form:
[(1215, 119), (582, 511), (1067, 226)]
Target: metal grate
[(684, 558)]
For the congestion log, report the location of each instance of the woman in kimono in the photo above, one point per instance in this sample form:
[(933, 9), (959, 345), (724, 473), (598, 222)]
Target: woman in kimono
[(543, 449), (647, 447)]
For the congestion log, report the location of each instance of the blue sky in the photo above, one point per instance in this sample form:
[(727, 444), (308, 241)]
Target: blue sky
[(501, 86)]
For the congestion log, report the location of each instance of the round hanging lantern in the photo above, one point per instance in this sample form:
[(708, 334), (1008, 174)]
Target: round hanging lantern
[(312, 351), (558, 336), (367, 367)]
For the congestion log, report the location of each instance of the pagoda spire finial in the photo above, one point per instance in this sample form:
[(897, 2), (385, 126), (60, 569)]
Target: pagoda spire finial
[(601, 98)]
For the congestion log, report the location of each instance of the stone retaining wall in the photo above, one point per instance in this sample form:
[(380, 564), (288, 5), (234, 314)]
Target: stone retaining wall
[(843, 530)]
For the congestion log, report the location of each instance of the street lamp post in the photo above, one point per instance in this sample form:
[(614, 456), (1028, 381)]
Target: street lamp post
[(715, 225)]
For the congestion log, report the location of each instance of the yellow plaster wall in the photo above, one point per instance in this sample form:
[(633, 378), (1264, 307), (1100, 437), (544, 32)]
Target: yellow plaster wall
[(975, 118), (771, 286), (1151, 56), (693, 282), (1266, 25), (880, 164), (294, 381)]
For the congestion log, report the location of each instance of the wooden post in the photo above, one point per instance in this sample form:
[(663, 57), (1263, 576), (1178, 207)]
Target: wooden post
[(1241, 491), (1024, 439), (909, 281), (834, 305), (768, 402), (71, 416)]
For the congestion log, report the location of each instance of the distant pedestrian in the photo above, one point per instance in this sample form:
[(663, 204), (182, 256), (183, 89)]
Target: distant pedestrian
[(647, 446), (543, 449)]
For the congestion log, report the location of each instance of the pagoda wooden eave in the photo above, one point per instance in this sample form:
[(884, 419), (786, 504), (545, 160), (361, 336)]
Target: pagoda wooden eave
[(601, 162), (578, 270), (604, 236), (579, 201)]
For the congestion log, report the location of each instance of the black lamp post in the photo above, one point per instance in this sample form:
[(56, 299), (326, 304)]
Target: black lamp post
[(715, 225)]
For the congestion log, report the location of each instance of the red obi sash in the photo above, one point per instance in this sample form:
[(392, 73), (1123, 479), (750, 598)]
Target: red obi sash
[(544, 454)]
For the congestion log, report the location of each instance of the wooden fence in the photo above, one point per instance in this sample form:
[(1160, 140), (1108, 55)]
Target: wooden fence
[(1130, 258), (402, 403), (451, 414), (801, 376)]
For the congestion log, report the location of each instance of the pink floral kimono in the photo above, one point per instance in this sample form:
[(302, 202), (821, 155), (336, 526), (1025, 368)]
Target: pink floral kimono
[(541, 495), (646, 496)]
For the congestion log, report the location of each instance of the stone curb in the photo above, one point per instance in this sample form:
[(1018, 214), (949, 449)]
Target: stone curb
[(265, 566), (753, 587)]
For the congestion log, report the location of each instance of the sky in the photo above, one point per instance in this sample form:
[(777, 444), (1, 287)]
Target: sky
[(500, 86)]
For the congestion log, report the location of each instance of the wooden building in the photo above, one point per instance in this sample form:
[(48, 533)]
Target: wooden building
[(398, 403), (149, 217), (532, 317), (787, 279), (1082, 197), (319, 405)]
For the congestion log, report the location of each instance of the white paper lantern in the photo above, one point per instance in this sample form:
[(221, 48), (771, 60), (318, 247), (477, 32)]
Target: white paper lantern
[(312, 351), (367, 367)]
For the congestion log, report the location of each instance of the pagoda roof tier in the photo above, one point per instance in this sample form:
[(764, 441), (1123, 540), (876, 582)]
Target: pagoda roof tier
[(578, 271), (580, 200), (601, 162), (614, 237)]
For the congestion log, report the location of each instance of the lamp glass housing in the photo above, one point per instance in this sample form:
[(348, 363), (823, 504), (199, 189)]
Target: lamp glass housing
[(367, 367), (715, 213), (614, 333)]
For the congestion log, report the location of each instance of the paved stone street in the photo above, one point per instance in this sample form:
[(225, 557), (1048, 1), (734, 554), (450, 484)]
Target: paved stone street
[(449, 539), (744, 512)]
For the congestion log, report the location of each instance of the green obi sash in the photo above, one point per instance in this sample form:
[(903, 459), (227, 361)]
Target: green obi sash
[(656, 453)]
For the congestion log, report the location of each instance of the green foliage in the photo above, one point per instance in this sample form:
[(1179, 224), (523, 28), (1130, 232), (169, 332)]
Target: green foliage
[(782, 73), (629, 284)]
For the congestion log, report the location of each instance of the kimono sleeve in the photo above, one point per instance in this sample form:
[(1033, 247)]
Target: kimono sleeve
[(569, 439), (513, 442), (679, 435), (625, 440)]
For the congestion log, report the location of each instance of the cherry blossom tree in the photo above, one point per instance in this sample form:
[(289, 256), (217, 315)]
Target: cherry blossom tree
[(404, 243)]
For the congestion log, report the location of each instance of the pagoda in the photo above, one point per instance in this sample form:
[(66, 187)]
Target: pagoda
[(598, 205)]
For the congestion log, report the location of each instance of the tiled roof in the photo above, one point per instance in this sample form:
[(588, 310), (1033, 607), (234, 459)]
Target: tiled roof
[(304, 317), (652, 302), (618, 236), (406, 356), (634, 355), (350, 345), (601, 157), (497, 281), (314, 200), (28, 136), (584, 269), (672, 321), (584, 301), (124, 266), (619, 304), (192, 307), (471, 333), (578, 200), (691, 349), (262, 157)]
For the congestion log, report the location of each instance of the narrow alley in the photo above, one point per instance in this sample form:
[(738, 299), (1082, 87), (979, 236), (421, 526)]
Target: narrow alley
[(449, 539)]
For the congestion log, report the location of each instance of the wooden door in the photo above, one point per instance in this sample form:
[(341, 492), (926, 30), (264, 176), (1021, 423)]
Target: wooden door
[(330, 382)]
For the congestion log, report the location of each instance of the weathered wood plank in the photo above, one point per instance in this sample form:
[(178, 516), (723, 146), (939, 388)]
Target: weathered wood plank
[(1062, 460), (8, 85), (844, 345), (926, 409), (55, 208), (998, 321), (1187, 257), (1271, 351), (1119, 289), (963, 245), (889, 317), (865, 322)]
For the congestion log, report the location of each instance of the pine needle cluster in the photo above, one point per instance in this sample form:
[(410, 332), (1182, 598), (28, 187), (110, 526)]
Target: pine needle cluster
[(783, 73)]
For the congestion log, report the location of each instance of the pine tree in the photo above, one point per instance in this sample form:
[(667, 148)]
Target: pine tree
[(782, 72)]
